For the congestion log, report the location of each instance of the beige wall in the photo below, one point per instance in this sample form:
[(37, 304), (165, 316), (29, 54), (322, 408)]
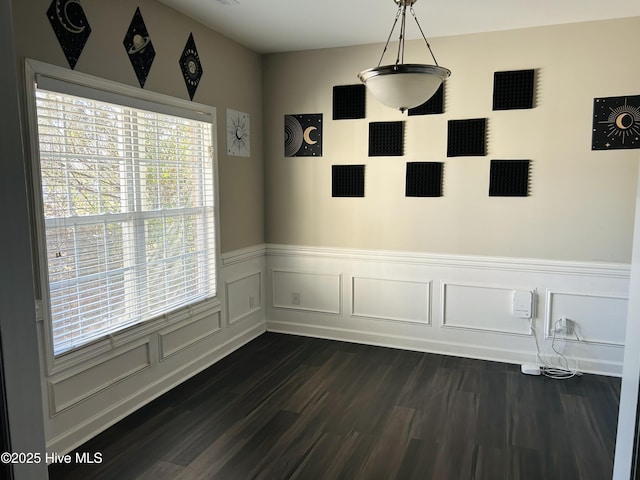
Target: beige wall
[(231, 79), (581, 203)]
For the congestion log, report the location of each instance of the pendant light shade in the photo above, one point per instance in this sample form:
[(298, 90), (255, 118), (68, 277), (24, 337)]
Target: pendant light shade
[(401, 85), (404, 86)]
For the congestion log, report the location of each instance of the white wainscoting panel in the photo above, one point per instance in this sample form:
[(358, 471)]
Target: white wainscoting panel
[(309, 291), (181, 336), (396, 299), (73, 387), (135, 366), (244, 296), (481, 307), (387, 299), (598, 318)]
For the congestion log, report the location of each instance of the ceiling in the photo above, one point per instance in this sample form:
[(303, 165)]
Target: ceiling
[(269, 26)]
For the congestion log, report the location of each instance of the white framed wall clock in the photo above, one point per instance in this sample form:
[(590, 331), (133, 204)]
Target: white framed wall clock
[(238, 133)]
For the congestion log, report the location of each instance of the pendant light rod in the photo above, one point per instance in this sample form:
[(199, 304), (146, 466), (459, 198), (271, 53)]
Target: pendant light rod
[(402, 12), (423, 35), (386, 45)]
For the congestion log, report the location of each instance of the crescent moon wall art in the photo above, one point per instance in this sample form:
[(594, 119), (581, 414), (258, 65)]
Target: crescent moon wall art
[(138, 45), (616, 123), (303, 135), (71, 27)]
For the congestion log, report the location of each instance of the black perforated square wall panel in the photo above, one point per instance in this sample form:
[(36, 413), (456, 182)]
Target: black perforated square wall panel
[(433, 106), (424, 179), (347, 180), (386, 139), (467, 138), (509, 178), (513, 90), (349, 102)]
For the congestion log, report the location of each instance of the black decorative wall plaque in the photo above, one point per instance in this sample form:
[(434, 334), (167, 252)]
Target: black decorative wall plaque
[(424, 179), (303, 135), (71, 27), (386, 139), (467, 137), (191, 66), (347, 180), (349, 101), (513, 90), (138, 45), (616, 123), (509, 178)]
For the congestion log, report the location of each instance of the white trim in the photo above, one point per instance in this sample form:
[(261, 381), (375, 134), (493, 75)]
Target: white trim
[(428, 284), (217, 327), (301, 308), (557, 267), (477, 337), (55, 409), (243, 254)]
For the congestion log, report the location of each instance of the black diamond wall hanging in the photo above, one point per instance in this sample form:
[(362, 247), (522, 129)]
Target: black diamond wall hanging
[(191, 66), (616, 123), (303, 135), (138, 45), (71, 27)]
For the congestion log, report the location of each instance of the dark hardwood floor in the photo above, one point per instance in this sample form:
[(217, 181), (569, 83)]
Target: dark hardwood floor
[(287, 407)]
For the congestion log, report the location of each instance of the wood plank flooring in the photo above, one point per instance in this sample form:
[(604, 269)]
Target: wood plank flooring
[(288, 407)]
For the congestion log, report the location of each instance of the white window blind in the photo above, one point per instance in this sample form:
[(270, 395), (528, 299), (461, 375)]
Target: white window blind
[(128, 202)]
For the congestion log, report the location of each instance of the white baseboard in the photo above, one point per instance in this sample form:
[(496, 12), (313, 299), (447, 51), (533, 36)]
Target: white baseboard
[(493, 354)]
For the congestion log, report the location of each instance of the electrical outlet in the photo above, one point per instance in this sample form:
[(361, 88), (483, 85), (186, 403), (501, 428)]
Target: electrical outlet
[(295, 298), (564, 326)]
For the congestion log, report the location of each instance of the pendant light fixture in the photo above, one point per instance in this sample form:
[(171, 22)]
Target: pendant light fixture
[(404, 85)]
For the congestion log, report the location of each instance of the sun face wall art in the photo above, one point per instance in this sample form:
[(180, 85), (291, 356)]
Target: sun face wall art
[(238, 133), (190, 66), (616, 123)]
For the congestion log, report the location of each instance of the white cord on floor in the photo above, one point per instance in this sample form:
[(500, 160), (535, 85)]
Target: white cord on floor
[(556, 372)]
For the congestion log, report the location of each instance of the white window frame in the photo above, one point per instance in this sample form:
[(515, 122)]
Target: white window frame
[(109, 91)]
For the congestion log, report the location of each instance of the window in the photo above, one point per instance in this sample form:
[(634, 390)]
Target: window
[(128, 206)]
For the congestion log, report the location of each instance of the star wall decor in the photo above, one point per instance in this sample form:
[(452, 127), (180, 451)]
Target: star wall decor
[(616, 123), (303, 135), (71, 27), (238, 133), (138, 45), (191, 66)]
